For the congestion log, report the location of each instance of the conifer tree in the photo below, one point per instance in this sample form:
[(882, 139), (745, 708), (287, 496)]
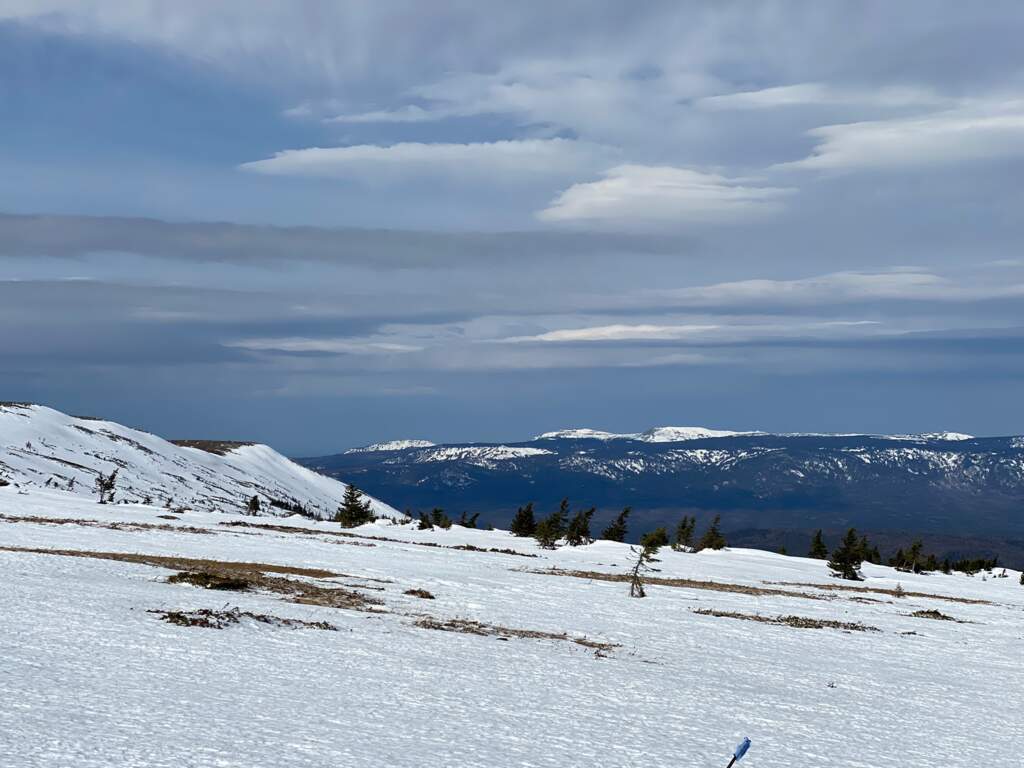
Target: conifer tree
[(818, 549), (712, 538), (616, 530), (425, 522), (524, 524), (578, 531), (654, 540), (104, 485), (468, 522), (354, 510), (684, 534), (846, 558), (253, 506), (440, 519), (552, 528)]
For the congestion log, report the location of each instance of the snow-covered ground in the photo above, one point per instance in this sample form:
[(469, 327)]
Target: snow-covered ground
[(89, 678), (43, 447)]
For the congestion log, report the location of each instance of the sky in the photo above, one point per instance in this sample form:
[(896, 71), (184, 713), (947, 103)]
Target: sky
[(324, 224)]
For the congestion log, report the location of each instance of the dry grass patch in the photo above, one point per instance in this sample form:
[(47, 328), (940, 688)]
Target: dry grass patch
[(470, 627), (800, 622), (883, 591), (211, 619), (350, 535), (420, 593), (933, 614), (714, 586), (252, 575), (111, 526)]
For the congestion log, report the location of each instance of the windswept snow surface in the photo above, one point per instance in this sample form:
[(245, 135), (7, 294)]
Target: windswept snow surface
[(89, 678), (40, 445)]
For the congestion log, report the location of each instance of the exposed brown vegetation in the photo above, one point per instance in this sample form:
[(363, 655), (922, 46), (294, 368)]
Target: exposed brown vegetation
[(255, 574), (183, 563), (800, 622), (211, 619), (111, 525), (933, 614), (218, 447), (714, 586), (350, 535), (898, 592), (421, 593), (208, 580), (470, 627)]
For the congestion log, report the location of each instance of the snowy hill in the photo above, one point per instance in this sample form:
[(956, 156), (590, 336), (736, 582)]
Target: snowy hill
[(42, 447), (390, 646)]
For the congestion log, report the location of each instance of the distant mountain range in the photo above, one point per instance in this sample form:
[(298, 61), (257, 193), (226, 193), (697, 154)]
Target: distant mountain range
[(944, 483)]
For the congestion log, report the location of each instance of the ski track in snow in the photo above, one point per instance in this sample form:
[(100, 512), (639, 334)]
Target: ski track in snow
[(88, 678)]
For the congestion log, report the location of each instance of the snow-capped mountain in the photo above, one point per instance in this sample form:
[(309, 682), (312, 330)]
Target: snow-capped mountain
[(391, 445), (943, 482), (44, 448)]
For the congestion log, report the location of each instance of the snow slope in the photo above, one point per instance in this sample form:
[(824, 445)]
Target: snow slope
[(40, 445), (90, 679)]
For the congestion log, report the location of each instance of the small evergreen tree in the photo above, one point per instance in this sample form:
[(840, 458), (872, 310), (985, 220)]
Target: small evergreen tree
[(425, 522), (782, 550), (654, 540), (712, 538), (644, 557), (846, 558), (254, 505), (616, 530), (578, 531), (523, 524), (684, 534), (818, 549), (104, 485), (440, 519), (468, 522), (354, 509), (552, 528)]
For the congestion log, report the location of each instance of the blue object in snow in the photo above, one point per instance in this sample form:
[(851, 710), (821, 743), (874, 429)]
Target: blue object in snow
[(739, 752)]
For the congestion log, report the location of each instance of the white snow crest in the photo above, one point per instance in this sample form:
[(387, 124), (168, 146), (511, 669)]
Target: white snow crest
[(42, 447)]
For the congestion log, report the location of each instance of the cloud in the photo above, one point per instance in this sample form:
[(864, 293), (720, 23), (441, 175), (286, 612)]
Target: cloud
[(935, 139), (497, 161), (619, 332), (632, 195), (838, 287), (76, 236), (346, 346), (821, 94)]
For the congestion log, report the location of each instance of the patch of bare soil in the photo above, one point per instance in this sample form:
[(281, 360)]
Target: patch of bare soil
[(211, 619), (350, 535), (420, 593), (714, 586), (112, 526), (208, 580), (470, 627), (933, 614), (883, 591), (218, 447), (253, 575), (800, 622)]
